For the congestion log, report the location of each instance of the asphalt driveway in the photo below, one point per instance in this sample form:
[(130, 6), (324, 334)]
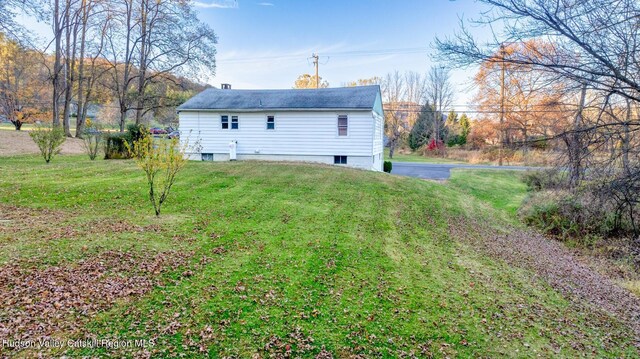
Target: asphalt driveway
[(441, 171)]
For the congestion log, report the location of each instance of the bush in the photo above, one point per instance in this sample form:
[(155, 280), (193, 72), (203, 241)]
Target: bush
[(115, 145), (91, 140), (136, 132), (576, 216), (387, 166), (49, 140), (456, 140), (543, 179)]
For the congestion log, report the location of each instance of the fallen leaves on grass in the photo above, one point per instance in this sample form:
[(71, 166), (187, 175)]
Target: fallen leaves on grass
[(556, 265), (47, 224), (37, 302)]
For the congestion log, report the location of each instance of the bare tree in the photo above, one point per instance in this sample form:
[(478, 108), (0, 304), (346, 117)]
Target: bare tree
[(9, 9), (402, 96), (439, 93), (148, 42), (594, 51), (171, 41), (58, 27)]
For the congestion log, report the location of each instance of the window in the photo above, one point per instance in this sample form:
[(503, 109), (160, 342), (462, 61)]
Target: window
[(343, 124), (340, 160), (225, 122), (234, 122), (207, 156), (271, 123)]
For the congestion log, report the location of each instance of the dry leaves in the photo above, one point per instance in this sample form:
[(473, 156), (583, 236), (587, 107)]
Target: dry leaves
[(554, 263), (38, 302)]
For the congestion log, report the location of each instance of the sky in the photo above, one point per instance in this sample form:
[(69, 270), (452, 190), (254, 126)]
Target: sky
[(267, 44)]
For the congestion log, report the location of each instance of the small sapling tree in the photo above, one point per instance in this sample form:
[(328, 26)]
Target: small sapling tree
[(92, 140), (48, 139), (161, 161)]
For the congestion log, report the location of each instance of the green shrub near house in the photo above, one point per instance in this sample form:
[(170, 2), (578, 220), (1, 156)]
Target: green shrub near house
[(387, 166), (115, 143)]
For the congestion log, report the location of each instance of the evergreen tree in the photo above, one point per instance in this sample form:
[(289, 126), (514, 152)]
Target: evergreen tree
[(465, 125), (422, 130), (452, 119)]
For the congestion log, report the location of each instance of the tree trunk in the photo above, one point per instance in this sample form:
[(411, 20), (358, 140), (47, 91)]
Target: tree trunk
[(142, 63), (574, 143), (626, 140), (123, 118), (122, 90), (69, 70), (80, 115), (57, 29)]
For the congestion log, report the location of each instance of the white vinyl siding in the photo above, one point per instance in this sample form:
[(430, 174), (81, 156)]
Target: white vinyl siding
[(298, 133)]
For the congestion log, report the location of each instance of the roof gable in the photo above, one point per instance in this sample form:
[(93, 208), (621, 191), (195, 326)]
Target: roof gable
[(352, 98)]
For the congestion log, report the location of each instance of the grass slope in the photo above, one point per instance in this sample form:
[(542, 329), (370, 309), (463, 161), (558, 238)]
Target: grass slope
[(301, 260)]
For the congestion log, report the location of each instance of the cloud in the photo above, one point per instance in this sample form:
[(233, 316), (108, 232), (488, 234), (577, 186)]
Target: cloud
[(217, 4), (265, 4)]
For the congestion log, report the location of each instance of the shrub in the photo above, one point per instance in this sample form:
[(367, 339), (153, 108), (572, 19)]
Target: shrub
[(387, 166), (49, 140), (91, 140), (115, 144), (543, 179), (456, 140), (566, 215), (435, 146), (136, 132), (161, 161)]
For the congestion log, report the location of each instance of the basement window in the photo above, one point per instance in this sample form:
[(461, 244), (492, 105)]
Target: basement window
[(339, 160), (224, 120), (234, 122), (343, 125), (207, 156), (271, 123)]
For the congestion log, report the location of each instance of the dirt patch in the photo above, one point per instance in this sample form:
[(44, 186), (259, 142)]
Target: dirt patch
[(39, 302), (556, 265), (19, 143)]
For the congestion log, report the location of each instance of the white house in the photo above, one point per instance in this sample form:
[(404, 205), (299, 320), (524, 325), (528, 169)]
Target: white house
[(342, 126)]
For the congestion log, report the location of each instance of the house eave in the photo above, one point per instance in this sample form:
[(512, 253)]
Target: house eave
[(272, 109)]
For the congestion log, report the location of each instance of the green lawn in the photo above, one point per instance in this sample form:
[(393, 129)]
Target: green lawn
[(416, 157), (294, 260)]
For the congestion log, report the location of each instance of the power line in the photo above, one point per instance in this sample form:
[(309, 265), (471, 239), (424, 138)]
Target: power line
[(297, 56)]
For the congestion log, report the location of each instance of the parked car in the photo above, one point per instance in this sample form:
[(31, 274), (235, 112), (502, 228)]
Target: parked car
[(174, 134), (157, 131)]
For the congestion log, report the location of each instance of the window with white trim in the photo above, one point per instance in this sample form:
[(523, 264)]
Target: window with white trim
[(343, 125), (234, 122), (224, 122), (271, 122), (340, 160)]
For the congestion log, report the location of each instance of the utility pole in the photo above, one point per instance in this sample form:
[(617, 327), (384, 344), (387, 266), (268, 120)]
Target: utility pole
[(315, 62), (501, 133)]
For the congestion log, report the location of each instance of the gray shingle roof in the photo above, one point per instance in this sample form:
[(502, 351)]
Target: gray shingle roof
[(360, 97)]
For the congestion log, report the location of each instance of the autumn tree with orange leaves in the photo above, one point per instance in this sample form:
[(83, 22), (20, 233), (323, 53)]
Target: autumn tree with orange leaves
[(23, 94), (533, 99)]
